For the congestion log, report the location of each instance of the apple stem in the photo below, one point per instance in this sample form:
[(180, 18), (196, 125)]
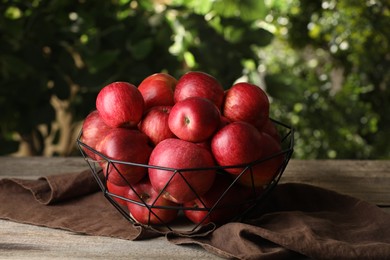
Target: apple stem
[(144, 196), (186, 120)]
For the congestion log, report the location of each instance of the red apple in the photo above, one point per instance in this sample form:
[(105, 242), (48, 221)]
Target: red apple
[(94, 129), (270, 128), (205, 144), (148, 212), (119, 191), (246, 102), (194, 119), (125, 145), (155, 124), (157, 90), (199, 84), (179, 184), (120, 104), (224, 201), (224, 122), (263, 172), (235, 144)]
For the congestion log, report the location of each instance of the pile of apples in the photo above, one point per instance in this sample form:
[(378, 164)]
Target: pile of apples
[(182, 145)]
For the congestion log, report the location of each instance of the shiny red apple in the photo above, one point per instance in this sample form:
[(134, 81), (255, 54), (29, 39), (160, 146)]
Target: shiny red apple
[(147, 210), (194, 119), (125, 145), (158, 89), (199, 84), (205, 144), (270, 128), (120, 104), (178, 183), (94, 129), (119, 191), (224, 122), (263, 172), (155, 124), (246, 102), (235, 144)]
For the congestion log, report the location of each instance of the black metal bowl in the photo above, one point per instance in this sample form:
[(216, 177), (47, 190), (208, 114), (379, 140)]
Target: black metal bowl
[(242, 208)]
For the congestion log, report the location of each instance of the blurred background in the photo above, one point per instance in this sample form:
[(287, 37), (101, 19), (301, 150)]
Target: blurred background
[(325, 65)]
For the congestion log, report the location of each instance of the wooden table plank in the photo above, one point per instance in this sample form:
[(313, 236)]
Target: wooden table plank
[(32, 167), (21, 241), (367, 180)]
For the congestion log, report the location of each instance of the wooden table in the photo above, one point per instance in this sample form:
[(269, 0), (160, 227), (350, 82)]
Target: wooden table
[(367, 180)]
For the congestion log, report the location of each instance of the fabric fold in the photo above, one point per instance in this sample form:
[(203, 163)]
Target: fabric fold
[(300, 220), (55, 188), (70, 201)]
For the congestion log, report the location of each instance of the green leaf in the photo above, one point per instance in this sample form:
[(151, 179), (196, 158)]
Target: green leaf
[(247, 10), (13, 13), (233, 34), (197, 6), (146, 4), (202, 6)]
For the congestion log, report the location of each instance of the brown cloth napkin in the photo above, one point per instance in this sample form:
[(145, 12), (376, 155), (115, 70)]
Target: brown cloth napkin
[(68, 201), (296, 221)]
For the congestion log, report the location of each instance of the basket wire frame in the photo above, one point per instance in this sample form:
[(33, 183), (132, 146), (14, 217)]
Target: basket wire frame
[(257, 198)]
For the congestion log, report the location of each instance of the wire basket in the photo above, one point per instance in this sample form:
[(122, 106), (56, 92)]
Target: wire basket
[(239, 210)]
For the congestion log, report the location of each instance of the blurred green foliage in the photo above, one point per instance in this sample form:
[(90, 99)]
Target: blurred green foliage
[(329, 74), (324, 64)]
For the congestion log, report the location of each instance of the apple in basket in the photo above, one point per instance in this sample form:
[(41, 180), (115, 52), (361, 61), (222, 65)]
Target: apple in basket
[(246, 102), (120, 104), (155, 124), (94, 129), (194, 119), (199, 84), (119, 191), (145, 204), (181, 185), (270, 128), (241, 143), (157, 90), (237, 143), (126, 145), (224, 122), (266, 170), (220, 204)]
